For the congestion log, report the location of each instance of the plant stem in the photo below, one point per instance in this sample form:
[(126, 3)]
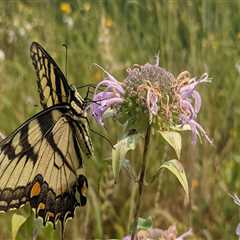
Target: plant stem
[(141, 181)]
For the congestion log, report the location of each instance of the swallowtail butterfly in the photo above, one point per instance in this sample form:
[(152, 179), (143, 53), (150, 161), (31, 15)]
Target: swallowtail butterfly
[(40, 161)]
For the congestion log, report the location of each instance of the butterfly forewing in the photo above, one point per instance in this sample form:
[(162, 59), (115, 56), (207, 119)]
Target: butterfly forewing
[(52, 84)]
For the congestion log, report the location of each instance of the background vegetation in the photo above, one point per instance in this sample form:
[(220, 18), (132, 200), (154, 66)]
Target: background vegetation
[(200, 36)]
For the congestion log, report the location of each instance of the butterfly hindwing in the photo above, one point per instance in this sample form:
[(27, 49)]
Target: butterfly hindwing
[(52, 84), (39, 163)]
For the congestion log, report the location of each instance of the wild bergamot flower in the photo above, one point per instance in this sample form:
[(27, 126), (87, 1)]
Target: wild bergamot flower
[(151, 95)]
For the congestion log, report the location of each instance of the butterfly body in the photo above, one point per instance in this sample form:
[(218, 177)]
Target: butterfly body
[(40, 161)]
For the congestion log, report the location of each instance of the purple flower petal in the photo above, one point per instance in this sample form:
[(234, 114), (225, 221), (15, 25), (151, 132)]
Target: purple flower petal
[(187, 90), (188, 108), (194, 132), (103, 96), (196, 128), (110, 82), (203, 131), (112, 95), (107, 73), (101, 102), (186, 120), (152, 100), (98, 101), (197, 101), (111, 86)]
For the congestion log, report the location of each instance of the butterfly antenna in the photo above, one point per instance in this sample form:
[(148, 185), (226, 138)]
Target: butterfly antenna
[(104, 137), (90, 85), (66, 57)]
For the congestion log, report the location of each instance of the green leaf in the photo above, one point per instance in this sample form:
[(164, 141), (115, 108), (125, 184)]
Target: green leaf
[(17, 222), (144, 223), (120, 150), (176, 168), (174, 139)]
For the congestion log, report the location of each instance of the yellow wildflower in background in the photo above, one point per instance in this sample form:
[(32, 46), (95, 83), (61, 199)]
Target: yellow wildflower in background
[(65, 7), (87, 6), (238, 35), (108, 22)]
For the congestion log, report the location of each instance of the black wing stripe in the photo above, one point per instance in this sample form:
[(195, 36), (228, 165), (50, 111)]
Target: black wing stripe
[(25, 172), (57, 108), (26, 144), (47, 69), (66, 175), (57, 181), (7, 173), (4, 167), (7, 163), (42, 149), (58, 151), (54, 153), (19, 171), (45, 149), (26, 147), (49, 169), (61, 180), (48, 154), (68, 156), (58, 88), (49, 79), (77, 147), (9, 168)]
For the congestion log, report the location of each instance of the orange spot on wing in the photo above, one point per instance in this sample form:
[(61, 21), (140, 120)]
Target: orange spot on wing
[(36, 189)]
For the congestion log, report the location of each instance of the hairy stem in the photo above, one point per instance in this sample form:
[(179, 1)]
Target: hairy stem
[(141, 181)]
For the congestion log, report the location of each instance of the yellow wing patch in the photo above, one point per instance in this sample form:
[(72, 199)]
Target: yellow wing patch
[(52, 84)]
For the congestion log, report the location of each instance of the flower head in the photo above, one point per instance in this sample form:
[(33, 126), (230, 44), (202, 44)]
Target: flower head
[(148, 89), (151, 94)]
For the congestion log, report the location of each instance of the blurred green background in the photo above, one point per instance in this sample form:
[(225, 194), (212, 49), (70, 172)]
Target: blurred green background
[(198, 36)]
